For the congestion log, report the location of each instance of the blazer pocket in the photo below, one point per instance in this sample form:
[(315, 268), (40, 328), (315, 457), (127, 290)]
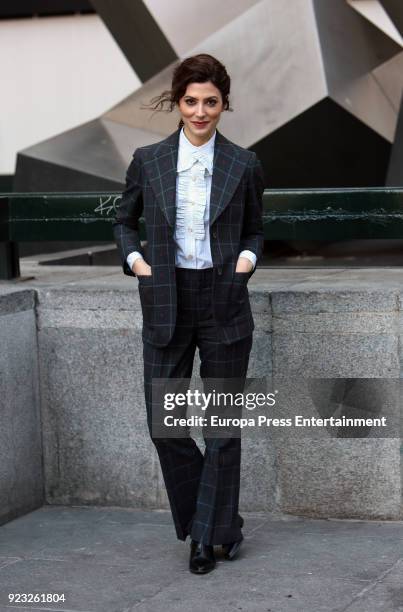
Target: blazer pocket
[(239, 293), (146, 293)]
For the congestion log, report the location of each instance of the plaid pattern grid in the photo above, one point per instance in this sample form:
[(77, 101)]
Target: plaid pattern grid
[(184, 309), (203, 491), (235, 224)]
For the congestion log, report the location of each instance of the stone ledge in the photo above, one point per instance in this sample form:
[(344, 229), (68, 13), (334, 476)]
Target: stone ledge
[(311, 323)]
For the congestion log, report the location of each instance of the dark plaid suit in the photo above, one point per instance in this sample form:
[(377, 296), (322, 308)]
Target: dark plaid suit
[(185, 308)]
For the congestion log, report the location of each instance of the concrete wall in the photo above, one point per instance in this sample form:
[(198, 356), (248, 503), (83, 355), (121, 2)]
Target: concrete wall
[(21, 475), (347, 333), (96, 447)]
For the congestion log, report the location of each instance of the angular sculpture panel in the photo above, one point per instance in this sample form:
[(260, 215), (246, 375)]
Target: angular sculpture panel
[(316, 89)]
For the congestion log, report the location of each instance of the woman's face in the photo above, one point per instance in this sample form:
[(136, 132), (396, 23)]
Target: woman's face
[(200, 109)]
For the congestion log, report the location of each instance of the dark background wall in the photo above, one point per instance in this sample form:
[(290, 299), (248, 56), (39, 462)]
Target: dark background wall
[(12, 9)]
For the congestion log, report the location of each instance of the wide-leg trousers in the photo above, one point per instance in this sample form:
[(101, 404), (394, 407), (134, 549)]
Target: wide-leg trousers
[(203, 489)]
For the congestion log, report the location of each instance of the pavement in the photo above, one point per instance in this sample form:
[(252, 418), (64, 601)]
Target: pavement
[(108, 559)]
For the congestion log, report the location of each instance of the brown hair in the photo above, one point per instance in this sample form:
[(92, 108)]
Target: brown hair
[(196, 69)]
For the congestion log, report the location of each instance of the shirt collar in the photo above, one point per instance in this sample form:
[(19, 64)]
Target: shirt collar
[(188, 153)]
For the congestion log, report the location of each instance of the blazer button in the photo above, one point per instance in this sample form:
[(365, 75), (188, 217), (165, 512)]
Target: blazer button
[(219, 271), (214, 234)]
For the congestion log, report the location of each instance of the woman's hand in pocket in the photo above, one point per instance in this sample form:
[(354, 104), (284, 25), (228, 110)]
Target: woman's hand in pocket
[(243, 265), (141, 268)]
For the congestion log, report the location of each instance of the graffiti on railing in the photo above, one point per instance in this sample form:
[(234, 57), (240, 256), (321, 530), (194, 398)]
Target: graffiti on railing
[(107, 205)]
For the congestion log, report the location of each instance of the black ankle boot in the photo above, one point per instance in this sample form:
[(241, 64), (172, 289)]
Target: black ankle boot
[(232, 548), (202, 559)]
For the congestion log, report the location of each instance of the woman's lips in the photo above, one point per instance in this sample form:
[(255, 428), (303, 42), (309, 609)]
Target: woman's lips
[(200, 123)]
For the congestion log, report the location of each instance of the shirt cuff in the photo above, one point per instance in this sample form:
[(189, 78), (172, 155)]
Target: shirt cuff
[(131, 258), (249, 255)]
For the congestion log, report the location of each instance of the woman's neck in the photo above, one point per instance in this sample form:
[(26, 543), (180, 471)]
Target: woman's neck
[(195, 140)]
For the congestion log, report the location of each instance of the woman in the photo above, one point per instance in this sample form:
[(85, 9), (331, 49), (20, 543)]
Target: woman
[(201, 198)]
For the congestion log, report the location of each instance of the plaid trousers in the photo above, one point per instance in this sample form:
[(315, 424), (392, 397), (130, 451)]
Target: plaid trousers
[(203, 490)]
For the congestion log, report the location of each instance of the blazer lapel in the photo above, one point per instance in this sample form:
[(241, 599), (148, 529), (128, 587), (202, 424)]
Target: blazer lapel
[(228, 167), (161, 171)]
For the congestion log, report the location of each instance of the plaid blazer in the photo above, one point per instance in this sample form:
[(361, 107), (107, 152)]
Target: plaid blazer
[(235, 224)]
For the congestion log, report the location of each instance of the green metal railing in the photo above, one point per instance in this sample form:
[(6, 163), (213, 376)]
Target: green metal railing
[(292, 214)]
